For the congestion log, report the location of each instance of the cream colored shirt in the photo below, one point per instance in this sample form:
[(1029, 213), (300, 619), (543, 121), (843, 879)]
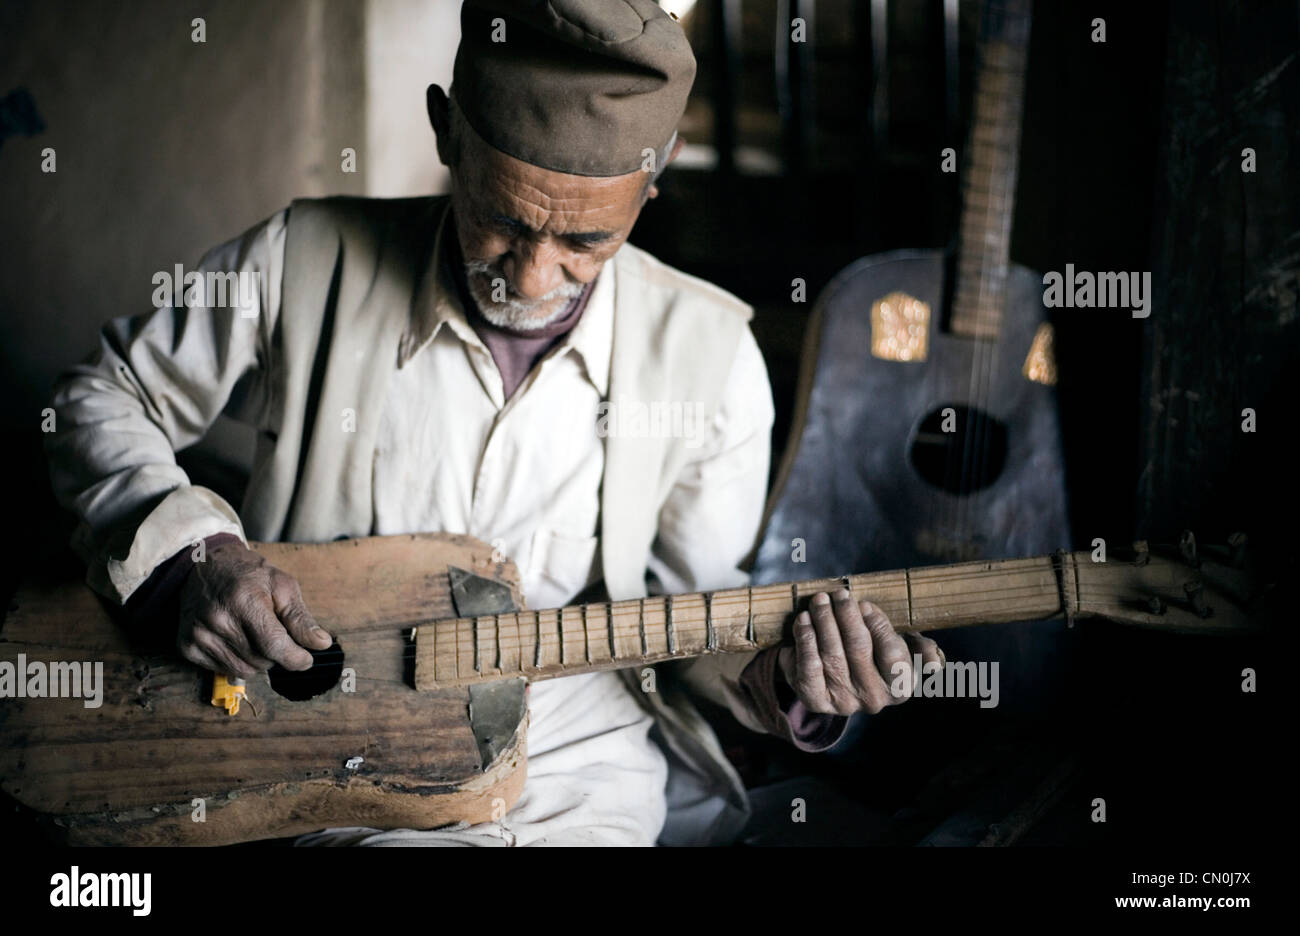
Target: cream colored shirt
[(522, 474), (452, 455)]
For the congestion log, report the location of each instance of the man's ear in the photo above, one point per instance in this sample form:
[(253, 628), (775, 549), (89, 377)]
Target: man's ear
[(676, 150), (439, 107), (652, 190)]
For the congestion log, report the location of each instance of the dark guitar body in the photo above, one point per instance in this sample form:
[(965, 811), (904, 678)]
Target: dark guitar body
[(867, 431)]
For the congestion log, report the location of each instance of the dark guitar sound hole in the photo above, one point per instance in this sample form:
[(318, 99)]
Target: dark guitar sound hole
[(961, 452), (299, 686)]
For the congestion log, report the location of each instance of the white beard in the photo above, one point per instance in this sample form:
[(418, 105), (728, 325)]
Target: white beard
[(516, 314)]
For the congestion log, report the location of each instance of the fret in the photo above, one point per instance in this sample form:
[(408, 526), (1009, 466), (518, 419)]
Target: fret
[(496, 632), (668, 624), (911, 616), (559, 635), (645, 646), (749, 615), (537, 650), (586, 635)]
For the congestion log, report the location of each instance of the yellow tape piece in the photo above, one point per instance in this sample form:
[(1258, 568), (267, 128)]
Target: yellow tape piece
[(228, 693)]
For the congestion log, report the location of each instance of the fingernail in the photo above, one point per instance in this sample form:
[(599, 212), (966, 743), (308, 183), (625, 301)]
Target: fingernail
[(821, 598), (843, 595)]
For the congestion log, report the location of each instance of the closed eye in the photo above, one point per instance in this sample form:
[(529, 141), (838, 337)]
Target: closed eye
[(581, 240)]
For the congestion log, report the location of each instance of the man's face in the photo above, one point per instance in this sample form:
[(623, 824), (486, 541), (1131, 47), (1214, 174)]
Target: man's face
[(532, 238)]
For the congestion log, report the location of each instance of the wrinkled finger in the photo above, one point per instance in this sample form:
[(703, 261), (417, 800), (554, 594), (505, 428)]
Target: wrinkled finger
[(224, 655), (196, 656), (927, 648), (809, 674), (835, 668), (854, 637), (293, 614), (268, 636), (228, 629), (893, 661)]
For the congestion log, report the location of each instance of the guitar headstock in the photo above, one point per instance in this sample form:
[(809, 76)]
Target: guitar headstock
[(1184, 588)]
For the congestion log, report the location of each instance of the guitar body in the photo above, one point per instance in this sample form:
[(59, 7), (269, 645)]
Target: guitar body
[(128, 772), (872, 481), (860, 485)]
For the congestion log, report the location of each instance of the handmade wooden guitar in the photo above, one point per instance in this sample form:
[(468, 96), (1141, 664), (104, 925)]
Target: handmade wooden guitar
[(426, 723), (926, 426)]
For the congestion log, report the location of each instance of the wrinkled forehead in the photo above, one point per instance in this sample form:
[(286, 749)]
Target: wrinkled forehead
[(495, 185)]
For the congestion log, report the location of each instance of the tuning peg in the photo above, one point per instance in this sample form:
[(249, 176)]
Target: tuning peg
[(1142, 552), (1238, 543), (1187, 546), (1196, 595)]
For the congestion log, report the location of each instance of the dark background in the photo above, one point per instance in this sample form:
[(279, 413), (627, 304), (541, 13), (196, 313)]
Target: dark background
[(1130, 160)]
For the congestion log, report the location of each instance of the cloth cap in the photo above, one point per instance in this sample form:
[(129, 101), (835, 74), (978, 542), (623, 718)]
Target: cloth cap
[(577, 86)]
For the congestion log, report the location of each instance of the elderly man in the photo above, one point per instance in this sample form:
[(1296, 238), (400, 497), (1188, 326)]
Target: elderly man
[(437, 365)]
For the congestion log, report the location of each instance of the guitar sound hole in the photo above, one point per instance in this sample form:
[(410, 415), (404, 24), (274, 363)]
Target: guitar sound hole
[(301, 685), (961, 452)]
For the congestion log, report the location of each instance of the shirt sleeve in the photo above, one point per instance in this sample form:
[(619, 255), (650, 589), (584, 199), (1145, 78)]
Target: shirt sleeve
[(155, 385), (706, 528)]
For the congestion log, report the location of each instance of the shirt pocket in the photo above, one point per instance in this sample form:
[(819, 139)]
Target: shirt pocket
[(559, 567)]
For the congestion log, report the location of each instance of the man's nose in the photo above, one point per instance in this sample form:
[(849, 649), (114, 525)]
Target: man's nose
[(534, 269)]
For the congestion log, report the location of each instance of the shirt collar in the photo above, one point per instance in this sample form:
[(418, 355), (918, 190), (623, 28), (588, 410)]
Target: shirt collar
[(436, 303)]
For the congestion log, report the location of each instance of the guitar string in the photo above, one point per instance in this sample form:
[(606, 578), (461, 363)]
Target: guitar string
[(953, 512), (389, 632), (1014, 51), (976, 441), (1086, 594)]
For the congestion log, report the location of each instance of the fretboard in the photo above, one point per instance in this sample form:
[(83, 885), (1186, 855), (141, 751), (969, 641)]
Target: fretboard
[(610, 635), (989, 177)]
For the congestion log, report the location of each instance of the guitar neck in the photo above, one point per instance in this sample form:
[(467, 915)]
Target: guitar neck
[(989, 179), (611, 635)]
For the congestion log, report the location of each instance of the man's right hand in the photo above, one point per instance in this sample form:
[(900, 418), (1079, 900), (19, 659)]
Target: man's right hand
[(240, 615)]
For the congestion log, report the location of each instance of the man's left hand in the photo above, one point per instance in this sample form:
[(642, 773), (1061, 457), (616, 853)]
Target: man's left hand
[(848, 658)]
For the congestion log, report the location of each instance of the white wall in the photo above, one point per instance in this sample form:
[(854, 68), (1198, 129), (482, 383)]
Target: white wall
[(409, 44)]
